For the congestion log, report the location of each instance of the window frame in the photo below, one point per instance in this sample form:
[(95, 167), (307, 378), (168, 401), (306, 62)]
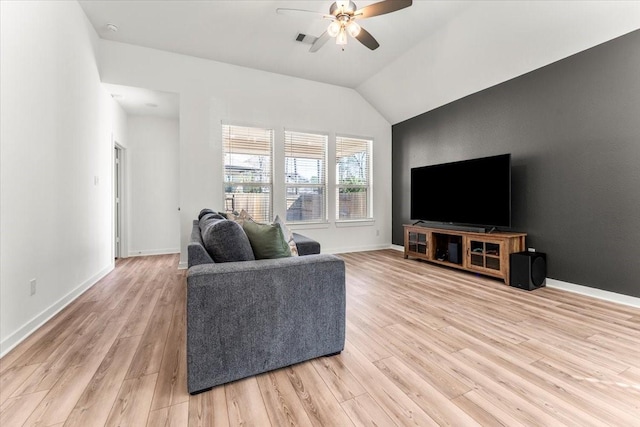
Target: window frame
[(324, 186), (269, 185), (368, 218)]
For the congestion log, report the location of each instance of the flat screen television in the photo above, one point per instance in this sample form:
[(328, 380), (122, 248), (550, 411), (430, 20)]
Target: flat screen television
[(474, 192)]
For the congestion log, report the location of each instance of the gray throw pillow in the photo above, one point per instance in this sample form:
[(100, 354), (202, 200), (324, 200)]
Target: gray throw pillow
[(203, 212), (208, 219), (226, 241)]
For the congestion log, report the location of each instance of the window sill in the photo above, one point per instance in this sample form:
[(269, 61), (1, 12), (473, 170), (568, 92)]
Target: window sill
[(307, 225), (356, 222)]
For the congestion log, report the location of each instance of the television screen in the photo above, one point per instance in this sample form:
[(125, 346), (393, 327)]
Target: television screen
[(468, 192)]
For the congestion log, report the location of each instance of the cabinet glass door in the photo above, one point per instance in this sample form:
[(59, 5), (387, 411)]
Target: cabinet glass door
[(477, 253), (492, 259), (484, 255), (422, 243), (418, 242)]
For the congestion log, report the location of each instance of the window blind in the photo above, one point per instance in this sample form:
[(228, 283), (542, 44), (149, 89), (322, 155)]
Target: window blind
[(353, 176), (305, 176), (248, 171)]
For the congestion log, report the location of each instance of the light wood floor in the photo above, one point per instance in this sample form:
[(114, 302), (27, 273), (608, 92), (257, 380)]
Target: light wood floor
[(425, 346)]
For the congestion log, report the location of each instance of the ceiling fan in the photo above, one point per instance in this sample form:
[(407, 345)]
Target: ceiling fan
[(343, 16)]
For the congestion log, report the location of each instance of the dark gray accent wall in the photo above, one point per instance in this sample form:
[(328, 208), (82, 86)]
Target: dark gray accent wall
[(573, 130)]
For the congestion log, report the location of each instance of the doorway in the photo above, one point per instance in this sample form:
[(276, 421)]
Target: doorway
[(117, 200)]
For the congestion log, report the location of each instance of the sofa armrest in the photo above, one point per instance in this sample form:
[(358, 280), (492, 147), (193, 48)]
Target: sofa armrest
[(249, 317), (197, 254), (306, 246)]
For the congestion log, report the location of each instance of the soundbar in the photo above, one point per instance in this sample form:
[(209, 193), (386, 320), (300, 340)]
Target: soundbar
[(468, 228)]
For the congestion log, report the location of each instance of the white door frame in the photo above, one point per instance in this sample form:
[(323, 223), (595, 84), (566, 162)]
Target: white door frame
[(120, 248)]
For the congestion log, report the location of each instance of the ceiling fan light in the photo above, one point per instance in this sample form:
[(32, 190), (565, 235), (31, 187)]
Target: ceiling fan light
[(341, 39), (334, 29), (353, 28)]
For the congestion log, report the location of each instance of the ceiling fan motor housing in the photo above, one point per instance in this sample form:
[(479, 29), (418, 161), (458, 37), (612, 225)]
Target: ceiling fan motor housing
[(342, 8)]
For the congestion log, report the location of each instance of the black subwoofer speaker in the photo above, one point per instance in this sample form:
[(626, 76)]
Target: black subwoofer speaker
[(528, 270)]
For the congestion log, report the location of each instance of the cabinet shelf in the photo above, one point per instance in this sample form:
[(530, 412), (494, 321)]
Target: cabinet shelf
[(482, 253)]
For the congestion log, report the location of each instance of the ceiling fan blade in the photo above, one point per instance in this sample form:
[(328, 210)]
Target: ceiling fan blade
[(298, 12), (380, 8), (367, 39), (320, 41)]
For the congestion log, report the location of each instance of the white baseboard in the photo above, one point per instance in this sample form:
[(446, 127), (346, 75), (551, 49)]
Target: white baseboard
[(37, 321), (183, 264), (40, 319), (569, 287), (148, 252), (580, 289), (594, 292)]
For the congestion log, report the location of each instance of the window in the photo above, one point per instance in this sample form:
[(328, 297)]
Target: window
[(248, 173), (353, 175), (305, 176)]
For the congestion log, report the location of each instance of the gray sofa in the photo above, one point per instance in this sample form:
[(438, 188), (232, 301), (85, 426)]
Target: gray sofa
[(249, 317)]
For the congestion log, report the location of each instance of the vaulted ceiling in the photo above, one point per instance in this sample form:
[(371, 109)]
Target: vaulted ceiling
[(430, 53)]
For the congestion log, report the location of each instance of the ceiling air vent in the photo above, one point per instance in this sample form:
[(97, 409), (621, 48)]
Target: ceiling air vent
[(305, 38)]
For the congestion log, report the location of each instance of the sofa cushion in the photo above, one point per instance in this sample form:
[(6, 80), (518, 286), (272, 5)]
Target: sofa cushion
[(226, 241), (288, 235), (203, 212), (267, 240)]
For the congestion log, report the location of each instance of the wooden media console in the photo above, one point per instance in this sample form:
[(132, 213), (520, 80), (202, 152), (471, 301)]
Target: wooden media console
[(484, 253)]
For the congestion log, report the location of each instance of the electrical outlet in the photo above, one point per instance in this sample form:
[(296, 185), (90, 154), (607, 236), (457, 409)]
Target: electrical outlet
[(377, 232), (531, 249), (32, 283)]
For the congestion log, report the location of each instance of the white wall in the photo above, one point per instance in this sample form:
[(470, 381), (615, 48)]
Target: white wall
[(55, 142), (469, 52), (153, 164), (212, 93)]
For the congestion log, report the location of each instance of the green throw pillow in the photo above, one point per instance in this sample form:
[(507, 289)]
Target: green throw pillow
[(267, 240)]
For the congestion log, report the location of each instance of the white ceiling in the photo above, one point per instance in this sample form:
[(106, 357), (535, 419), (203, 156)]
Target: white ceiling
[(252, 34), (432, 53), (137, 101)]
